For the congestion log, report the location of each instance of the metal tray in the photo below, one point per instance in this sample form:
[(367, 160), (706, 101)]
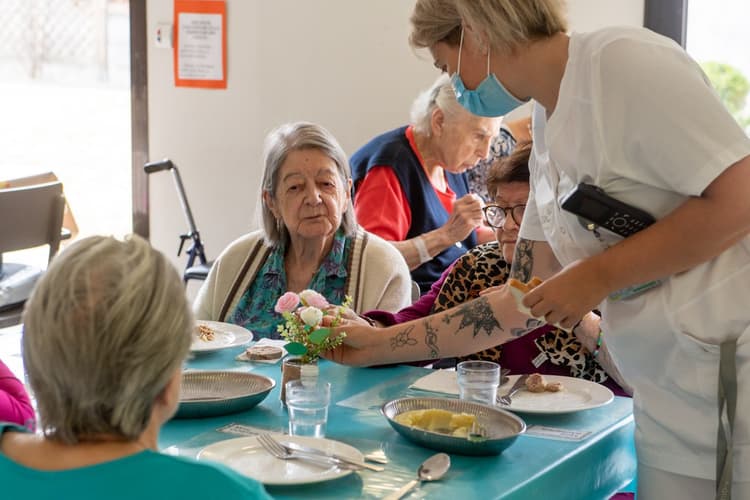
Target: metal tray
[(213, 393), (501, 428)]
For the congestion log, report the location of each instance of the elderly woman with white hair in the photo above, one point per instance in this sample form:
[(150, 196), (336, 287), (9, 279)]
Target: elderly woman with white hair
[(309, 239), (105, 335), (410, 185)]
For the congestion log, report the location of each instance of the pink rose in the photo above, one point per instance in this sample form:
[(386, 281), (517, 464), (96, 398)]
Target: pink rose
[(287, 303), (313, 299)]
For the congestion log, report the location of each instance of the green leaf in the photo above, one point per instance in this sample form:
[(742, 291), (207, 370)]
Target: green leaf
[(296, 348), (319, 335)]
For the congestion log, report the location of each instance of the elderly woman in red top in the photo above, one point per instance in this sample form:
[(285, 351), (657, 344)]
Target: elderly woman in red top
[(410, 186)]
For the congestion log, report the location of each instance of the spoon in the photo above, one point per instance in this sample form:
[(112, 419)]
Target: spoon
[(431, 469)]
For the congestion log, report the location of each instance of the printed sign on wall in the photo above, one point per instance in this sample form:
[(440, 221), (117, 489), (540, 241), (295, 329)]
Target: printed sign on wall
[(200, 45)]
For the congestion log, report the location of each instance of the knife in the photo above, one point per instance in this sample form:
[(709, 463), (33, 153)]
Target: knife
[(333, 456)]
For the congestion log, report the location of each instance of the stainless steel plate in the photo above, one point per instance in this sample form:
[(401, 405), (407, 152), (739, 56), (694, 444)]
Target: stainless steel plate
[(212, 393), (500, 427)]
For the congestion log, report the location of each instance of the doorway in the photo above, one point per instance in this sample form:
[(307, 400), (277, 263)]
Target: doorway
[(65, 93)]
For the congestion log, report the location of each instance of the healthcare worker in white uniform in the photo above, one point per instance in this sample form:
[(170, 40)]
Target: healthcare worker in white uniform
[(629, 111)]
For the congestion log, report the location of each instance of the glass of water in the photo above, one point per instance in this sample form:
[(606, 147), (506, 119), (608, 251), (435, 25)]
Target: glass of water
[(478, 381), (307, 402)]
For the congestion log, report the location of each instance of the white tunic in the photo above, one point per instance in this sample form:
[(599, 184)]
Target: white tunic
[(636, 117)]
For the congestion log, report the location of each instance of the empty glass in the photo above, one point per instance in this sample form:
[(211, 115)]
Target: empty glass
[(478, 381), (307, 402)]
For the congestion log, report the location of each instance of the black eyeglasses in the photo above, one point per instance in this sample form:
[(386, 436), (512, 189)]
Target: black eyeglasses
[(495, 215)]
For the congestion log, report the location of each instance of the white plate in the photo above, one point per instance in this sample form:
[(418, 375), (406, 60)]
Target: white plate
[(246, 456), (577, 395), (227, 335)]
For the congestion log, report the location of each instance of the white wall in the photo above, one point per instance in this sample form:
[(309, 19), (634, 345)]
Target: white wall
[(345, 64)]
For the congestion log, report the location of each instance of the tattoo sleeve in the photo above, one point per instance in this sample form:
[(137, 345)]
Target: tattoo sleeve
[(402, 339), (430, 338), (523, 260), (478, 314)]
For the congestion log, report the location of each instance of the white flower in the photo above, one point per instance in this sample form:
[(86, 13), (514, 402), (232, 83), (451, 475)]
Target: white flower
[(312, 316)]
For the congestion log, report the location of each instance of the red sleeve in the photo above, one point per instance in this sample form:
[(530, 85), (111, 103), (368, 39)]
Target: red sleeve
[(380, 205)]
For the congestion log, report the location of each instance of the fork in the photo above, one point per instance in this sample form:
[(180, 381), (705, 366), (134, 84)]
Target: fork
[(477, 433), (505, 399), (296, 447), (282, 452)]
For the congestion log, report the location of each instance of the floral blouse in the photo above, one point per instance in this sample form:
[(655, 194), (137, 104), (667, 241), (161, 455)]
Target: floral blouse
[(255, 311)]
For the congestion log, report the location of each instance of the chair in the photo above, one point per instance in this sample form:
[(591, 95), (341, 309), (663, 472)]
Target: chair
[(30, 216), (416, 293)]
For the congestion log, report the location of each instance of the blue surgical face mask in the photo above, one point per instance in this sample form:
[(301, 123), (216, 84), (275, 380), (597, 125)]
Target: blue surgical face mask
[(490, 98)]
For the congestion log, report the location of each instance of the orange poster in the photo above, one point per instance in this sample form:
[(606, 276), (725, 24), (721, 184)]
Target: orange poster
[(200, 43)]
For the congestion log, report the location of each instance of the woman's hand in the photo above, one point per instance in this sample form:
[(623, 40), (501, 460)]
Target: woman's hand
[(465, 217), (354, 351), (491, 289), (348, 317), (567, 296)]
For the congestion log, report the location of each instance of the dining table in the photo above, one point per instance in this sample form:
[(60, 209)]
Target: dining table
[(587, 454)]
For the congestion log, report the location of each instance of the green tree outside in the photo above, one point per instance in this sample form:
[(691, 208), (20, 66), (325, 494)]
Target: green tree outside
[(732, 87)]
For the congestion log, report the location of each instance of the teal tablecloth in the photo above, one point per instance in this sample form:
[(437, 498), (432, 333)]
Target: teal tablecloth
[(532, 468)]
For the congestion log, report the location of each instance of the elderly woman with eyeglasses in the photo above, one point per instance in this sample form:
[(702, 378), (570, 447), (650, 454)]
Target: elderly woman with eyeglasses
[(309, 239), (555, 351)]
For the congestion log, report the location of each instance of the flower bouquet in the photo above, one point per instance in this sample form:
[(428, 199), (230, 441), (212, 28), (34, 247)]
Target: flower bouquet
[(303, 329)]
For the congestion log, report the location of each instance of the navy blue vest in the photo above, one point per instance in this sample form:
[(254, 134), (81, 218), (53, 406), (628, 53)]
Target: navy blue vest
[(392, 149)]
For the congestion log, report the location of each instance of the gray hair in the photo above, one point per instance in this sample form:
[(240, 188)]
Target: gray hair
[(104, 331), (439, 95), (506, 24), (279, 143)]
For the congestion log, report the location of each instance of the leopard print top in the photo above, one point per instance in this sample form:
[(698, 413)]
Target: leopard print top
[(484, 267)]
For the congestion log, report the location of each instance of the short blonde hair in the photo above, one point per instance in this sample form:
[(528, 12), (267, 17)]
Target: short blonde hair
[(435, 21), (104, 331), (509, 23), (439, 95), (505, 23)]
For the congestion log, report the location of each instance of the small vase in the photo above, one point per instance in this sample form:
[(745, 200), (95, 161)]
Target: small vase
[(294, 369)]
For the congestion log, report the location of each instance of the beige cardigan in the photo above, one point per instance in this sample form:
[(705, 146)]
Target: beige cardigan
[(378, 277)]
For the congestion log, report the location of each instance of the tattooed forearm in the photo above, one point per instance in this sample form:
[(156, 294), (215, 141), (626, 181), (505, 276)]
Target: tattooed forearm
[(402, 339), (531, 324), (478, 314), (430, 338), (523, 260)]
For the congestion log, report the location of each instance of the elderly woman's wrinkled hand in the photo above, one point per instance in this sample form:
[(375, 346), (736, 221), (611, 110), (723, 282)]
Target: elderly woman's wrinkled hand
[(348, 317), (567, 296), (465, 217)]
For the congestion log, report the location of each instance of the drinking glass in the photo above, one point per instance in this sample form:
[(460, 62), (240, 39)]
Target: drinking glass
[(307, 402), (478, 381)]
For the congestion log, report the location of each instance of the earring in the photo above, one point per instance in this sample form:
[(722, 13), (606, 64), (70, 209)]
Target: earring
[(279, 225)]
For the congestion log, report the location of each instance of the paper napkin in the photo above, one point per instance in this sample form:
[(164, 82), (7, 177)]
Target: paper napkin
[(443, 381)]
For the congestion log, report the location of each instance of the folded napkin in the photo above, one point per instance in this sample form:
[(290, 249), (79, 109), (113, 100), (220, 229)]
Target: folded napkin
[(443, 381), (264, 341)]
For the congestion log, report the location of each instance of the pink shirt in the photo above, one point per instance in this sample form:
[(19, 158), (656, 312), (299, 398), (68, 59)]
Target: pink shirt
[(15, 405)]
